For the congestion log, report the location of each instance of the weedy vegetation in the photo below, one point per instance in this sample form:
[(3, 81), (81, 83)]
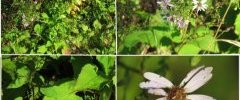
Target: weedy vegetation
[(58, 27), (178, 26)]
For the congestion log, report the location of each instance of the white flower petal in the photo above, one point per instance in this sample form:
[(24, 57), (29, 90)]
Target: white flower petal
[(189, 75), (194, 7), (160, 92), (163, 98), (199, 97), (195, 2), (158, 79), (199, 79), (204, 6), (150, 84), (203, 1), (159, 2)]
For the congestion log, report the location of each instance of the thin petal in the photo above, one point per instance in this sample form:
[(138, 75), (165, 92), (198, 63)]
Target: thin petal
[(150, 84), (189, 75), (199, 97), (199, 79), (163, 98), (158, 79), (160, 92), (194, 7)]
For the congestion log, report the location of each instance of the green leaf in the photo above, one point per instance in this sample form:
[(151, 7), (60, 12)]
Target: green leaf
[(195, 60), (84, 27), (20, 50), (208, 43), (44, 15), (22, 77), (97, 24), (9, 67), (133, 38), (89, 78), (64, 97), (189, 49), (105, 93), (143, 36), (63, 91), (38, 29), (42, 49), (237, 25), (107, 62), (114, 79), (18, 98), (202, 30)]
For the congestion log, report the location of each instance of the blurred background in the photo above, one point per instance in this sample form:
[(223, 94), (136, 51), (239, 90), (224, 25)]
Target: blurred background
[(222, 86)]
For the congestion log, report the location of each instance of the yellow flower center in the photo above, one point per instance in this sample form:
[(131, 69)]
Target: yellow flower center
[(176, 93)]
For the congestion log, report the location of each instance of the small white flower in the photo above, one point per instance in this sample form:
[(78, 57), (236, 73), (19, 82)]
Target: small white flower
[(24, 21), (165, 3), (199, 6), (194, 80)]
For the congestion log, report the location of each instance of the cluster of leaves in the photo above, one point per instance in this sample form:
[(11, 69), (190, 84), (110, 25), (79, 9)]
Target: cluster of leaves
[(58, 26), (58, 78), (143, 27)]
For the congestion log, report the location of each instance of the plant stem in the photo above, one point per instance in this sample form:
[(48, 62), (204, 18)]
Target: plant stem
[(222, 21)]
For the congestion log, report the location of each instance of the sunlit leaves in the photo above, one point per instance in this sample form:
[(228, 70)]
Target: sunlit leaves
[(89, 78), (42, 49), (22, 77), (207, 42), (97, 24), (237, 25), (9, 67), (189, 49), (63, 91), (56, 21), (38, 28), (107, 62)]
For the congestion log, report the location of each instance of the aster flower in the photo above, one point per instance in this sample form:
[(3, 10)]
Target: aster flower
[(196, 78), (199, 6), (181, 23), (24, 21), (178, 20), (165, 3)]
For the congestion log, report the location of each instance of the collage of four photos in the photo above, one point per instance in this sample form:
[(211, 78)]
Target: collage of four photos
[(120, 49)]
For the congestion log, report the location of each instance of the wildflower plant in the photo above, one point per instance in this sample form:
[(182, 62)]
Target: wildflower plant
[(158, 85), (179, 27)]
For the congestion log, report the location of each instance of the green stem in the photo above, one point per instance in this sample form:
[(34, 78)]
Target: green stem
[(222, 21)]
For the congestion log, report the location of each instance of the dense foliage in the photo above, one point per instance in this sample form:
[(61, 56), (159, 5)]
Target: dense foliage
[(175, 27), (58, 26), (58, 78)]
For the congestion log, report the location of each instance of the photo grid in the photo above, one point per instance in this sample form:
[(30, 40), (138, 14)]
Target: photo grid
[(120, 50)]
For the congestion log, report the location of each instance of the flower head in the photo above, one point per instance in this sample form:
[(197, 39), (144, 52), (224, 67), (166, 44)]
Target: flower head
[(178, 20), (199, 6), (165, 3), (196, 78)]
